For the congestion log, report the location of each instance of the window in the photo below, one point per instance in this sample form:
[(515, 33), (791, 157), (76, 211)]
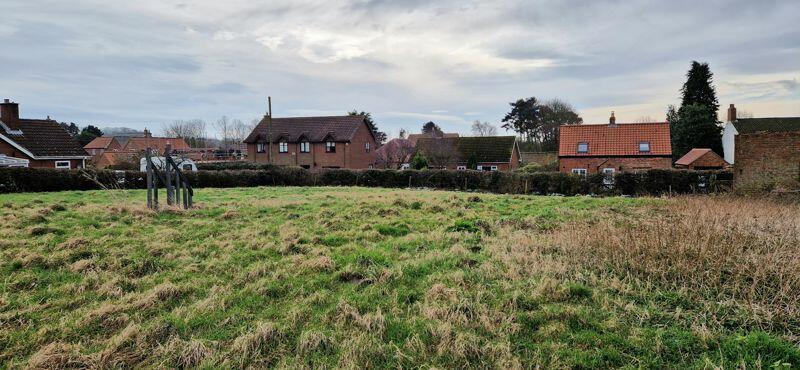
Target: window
[(283, 147), (405, 166), (63, 165), (583, 147), (487, 168), (366, 147), (461, 168), (494, 168), (644, 147), (305, 147), (261, 148), (579, 171), (330, 147), (187, 167)]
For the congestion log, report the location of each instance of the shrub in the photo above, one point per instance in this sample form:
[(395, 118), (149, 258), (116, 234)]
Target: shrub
[(653, 182)]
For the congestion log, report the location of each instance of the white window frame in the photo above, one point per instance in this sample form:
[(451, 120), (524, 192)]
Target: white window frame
[(330, 147), (579, 171), (493, 168), (644, 143), (283, 147), (305, 147), (461, 168), (405, 166), (261, 147), (578, 149), (366, 147), (60, 165)]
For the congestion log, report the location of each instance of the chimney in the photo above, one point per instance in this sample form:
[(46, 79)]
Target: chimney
[(731, 113), (612, 121), (147, 133), (9, 112)]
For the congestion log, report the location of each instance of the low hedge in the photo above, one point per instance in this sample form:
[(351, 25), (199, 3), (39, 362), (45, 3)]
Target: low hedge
[(653, 182)]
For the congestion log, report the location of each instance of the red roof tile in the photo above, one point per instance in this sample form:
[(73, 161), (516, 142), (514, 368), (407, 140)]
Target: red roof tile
[(692, 156), (99, 143), (620, 139), (158, 143)]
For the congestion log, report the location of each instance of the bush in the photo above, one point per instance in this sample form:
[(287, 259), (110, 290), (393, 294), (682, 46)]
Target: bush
[(653, 182)]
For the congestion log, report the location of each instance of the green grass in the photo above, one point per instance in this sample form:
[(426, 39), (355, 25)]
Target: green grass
[(340, 277)]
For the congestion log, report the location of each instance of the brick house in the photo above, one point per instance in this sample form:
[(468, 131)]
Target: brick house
[(488, 153), (735, 126), (102, 144), (313, 142), (615, 147), (768, 157), (701, 159), (41, 142)]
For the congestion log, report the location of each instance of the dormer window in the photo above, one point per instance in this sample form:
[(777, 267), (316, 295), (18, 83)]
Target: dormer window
[(644, 147), (283, 147), (330, 147), (583, 147)]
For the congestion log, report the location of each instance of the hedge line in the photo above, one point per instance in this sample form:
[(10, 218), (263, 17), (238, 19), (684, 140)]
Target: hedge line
[(653, 182)]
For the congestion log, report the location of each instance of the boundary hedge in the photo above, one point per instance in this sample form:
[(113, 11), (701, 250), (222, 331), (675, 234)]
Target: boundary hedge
[(653, 182)]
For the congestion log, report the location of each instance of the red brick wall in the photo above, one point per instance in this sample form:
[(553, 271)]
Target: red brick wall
[(773, 157), (11, 151), (620, 164), (514, 158), (348, 155)]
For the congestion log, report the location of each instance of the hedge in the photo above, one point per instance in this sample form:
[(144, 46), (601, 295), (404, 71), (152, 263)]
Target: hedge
[(653, 182)]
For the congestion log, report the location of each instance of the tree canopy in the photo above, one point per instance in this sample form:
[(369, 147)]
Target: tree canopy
[(432, 128), (88, 134), (380, 136), (537, 122), (694, 124)]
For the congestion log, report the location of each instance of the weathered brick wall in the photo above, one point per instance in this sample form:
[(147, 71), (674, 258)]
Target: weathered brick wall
[(619, 164), (768, 157)]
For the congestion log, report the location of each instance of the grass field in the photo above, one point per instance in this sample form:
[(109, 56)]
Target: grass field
[(352, 277)]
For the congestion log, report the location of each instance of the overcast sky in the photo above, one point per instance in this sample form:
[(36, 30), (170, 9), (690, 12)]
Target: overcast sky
[(146, 62)]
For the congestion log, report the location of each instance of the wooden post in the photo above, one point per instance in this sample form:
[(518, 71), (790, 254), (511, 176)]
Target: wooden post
[(186, 194), (177, 187), (149, 179), (168, 176)]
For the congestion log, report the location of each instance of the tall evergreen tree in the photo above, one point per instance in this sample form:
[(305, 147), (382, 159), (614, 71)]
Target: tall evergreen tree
[(698, 88), (694, 124)]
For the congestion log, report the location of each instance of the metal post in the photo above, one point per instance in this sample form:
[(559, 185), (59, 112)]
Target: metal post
[(168, 175)]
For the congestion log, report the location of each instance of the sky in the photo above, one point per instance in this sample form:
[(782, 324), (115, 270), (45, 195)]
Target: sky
[(145, 63)]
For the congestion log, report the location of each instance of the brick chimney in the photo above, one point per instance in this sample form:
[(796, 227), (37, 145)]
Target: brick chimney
[(731, 114), (612, 121), (9, 112), (147, 133)]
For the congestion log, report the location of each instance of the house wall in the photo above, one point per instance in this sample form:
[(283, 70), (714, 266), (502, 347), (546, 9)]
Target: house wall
[(11, 151), (620, 164), (729, 142), (515, 158), (348, 155), (768, 156)]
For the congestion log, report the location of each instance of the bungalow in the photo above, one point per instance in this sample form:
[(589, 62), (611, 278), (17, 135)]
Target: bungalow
[(313, 142), (483, 153), (111, 151), (615, 147), (36, 142)]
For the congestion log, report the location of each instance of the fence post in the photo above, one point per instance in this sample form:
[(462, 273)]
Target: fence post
[(149, 179), (168, 175)]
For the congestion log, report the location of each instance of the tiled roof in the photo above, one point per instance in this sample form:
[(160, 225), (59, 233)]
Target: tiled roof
[(158, 143), (414, 137), (313, 129), (486, 149), (777, 124), (44, 138), (692, 156), (99, 143), (620, 139)]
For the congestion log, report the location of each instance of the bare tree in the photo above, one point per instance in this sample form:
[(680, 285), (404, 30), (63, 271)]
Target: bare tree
[(440, 152), (394, 153), (644, 119), (483, 129), (223, 127), (192, 131), (239, 131)]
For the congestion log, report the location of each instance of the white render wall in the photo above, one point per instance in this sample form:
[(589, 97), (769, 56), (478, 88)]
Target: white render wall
[(729, 141)]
